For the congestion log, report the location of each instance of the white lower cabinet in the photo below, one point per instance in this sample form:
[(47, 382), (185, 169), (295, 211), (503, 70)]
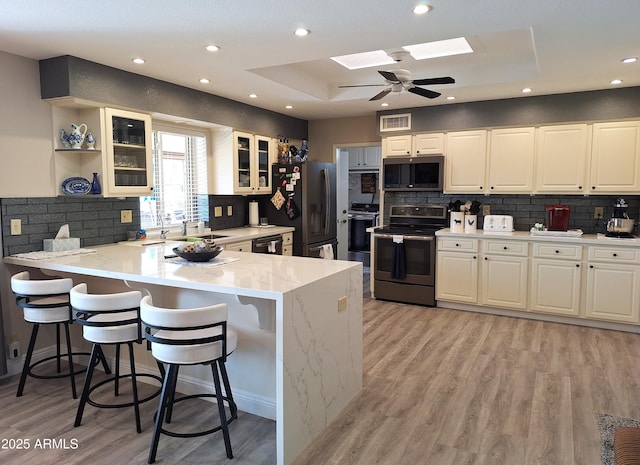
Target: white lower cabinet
[(613, 284), (457, 270), (556, 279), (242, 246), (541, 276), (504, 274)]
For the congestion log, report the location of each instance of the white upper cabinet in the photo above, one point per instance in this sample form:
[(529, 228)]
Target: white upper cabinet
[(416, 144), (241, 163), (428, 144), (465, 162), (364, 158), (615, 158), (511, 154), (128, 154), (562, 156)]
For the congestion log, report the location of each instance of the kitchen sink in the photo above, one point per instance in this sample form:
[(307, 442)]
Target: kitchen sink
[(199, 238)]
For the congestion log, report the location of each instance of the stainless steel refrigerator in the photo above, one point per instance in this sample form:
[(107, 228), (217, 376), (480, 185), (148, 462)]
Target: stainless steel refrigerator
[(309, 205)]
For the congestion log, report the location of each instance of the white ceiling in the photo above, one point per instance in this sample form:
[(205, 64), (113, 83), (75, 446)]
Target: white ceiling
[(552, 46)]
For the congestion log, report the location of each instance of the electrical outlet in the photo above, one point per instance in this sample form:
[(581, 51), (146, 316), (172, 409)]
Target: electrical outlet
[(126, 216), (598, 212), (229, 210), (486, 210), (217, 212), (342, 304), (16, 227)]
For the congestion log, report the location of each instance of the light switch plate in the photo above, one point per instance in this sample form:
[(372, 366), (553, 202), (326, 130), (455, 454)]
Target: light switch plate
[(16, 227), (126, 216)]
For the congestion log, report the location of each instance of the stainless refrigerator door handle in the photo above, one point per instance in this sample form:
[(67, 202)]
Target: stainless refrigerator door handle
[(327, 193)]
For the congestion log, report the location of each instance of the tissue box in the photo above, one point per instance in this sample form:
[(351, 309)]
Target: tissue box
[(60, 245)]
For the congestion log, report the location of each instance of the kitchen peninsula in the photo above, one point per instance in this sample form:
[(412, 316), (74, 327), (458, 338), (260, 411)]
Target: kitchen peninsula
[(299, 323)]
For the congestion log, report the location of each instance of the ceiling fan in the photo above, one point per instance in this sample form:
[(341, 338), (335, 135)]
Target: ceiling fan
[(400, 79)]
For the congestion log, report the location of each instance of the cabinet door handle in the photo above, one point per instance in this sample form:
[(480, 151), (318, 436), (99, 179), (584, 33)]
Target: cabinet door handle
[(505, 247), (457, 245), (615, 254), (480, 187), (474, 257), (579, 187), (486, 258), (590, 266), (577, 265)]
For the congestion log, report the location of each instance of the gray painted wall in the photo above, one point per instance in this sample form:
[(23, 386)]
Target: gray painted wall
[(66, 76), (526, 111)]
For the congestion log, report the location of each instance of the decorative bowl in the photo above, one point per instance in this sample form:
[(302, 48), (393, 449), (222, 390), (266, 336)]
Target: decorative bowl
[(198, 256)]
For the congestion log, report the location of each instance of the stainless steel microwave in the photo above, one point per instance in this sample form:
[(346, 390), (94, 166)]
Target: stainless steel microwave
[(419, 173)]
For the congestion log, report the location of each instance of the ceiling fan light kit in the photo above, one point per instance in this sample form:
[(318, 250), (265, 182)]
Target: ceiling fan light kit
[(400, 79)]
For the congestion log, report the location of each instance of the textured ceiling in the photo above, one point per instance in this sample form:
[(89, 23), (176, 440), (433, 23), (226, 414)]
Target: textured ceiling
[(552, 46)]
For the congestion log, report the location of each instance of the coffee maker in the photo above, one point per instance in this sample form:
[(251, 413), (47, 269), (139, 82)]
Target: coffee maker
[(620, 225), (557, 217)]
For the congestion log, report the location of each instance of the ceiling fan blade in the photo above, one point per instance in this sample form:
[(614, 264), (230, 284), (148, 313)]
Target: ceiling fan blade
[(424, 92), (363, 85), (389, 76), (380, 95), (438, 80)]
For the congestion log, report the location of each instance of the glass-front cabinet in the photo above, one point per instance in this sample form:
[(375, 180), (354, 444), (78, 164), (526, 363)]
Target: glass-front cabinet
[(128, 153), (252, 160)]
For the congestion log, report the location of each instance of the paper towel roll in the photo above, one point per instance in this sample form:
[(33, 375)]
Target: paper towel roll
[(254, 214)]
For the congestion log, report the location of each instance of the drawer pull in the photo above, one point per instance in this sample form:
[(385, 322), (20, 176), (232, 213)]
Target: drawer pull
[(577, 265), (615, 254), (486, 258), (457, 245), (505, 247), (474, 257), (557, 251), (590, 266)]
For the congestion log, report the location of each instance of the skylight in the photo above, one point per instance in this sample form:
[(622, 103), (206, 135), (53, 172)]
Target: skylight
[(364, 60), (440, 48)]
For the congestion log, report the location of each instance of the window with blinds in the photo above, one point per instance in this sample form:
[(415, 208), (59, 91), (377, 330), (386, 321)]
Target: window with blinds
[(180, 179)]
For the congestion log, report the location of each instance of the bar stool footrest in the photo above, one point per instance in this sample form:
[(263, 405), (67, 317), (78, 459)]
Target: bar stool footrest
[(64, 374), (151, 396), (232, 407)]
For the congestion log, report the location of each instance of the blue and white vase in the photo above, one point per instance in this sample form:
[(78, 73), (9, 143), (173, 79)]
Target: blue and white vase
[(90, 141)]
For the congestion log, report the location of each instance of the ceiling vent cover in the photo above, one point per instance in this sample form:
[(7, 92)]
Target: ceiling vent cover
[(395, 122)]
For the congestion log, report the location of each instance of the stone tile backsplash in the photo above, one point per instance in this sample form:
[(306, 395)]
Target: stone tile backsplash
[(95, 220), (526, 209)]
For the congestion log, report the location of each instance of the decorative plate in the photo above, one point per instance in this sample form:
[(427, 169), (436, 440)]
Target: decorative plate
[(76, 186)]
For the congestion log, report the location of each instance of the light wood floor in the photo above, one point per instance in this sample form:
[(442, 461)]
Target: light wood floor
[(441, 387)]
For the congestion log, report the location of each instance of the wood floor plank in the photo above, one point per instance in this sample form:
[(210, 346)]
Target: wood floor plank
[(441, 387)]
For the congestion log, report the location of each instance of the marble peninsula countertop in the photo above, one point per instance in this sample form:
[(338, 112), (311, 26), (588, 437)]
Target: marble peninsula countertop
[(256, 275)]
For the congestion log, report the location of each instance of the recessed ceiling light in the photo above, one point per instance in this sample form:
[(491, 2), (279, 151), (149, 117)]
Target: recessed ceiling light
[(616, 81), (253, 95), (630, 60), (421, 9), (526, 90), (204, 81), (385, 104), (138, 61), (451, 97), (301, 32), (212, 48)]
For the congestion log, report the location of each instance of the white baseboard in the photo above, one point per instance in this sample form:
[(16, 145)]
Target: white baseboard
[(247, 402)]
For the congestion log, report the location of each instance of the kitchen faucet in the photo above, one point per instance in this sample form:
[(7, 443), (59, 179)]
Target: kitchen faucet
[(163, 232)]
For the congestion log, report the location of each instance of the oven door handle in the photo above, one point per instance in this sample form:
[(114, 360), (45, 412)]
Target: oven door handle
[(411, 238)]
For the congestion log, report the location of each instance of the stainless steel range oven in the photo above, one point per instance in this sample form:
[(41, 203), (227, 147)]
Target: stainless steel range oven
[(404, 265)]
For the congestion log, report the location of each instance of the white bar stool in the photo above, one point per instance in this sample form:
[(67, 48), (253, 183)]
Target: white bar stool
[(46, 302), (110, 319), (194, 336)]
